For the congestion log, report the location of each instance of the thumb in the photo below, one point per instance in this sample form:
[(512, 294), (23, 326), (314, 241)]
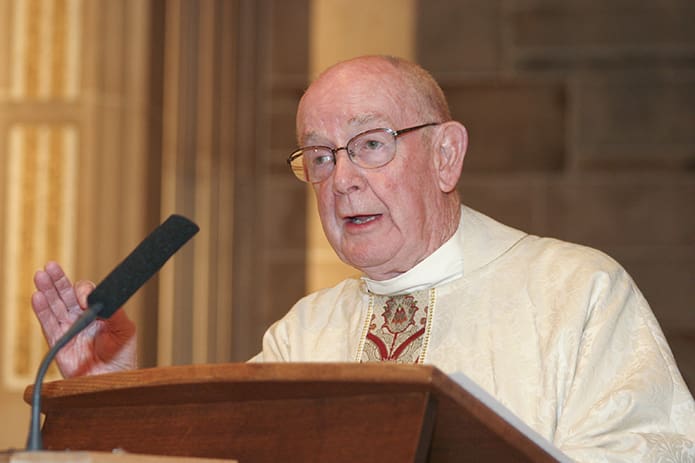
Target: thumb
[(82, 289)]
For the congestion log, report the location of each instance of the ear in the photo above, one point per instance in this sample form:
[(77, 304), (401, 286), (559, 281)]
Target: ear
[(450, 147)]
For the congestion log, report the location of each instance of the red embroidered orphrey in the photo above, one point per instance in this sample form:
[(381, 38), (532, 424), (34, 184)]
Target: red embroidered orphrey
[(400, 337)]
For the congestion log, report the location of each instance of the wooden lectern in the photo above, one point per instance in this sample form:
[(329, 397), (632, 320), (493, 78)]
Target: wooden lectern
[(290, 412), (97, 457)]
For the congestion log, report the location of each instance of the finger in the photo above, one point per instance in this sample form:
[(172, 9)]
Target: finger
[(45, 285), (84, 288), (50, 325), (62, 284)]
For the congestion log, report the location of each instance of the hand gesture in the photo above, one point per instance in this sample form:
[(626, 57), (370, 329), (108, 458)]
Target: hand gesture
[(104, 346)]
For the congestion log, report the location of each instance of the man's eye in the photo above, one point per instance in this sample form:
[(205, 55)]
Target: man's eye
[(373, 144), (322, 159)]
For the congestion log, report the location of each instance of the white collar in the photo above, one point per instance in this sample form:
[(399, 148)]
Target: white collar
[(443, 265)]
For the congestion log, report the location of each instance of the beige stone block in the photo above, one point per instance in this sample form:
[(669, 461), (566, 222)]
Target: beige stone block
[(632, 119), (627, 209), (573, 24), (513, 125), (456, 37)]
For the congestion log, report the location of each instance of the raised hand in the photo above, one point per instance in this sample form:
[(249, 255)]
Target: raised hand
[(104, 346)]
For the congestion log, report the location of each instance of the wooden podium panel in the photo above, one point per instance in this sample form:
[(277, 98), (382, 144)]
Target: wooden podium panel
[(98, 457), (282, 412)]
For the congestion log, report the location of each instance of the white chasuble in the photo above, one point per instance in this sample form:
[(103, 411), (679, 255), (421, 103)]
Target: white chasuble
[(558, 333)]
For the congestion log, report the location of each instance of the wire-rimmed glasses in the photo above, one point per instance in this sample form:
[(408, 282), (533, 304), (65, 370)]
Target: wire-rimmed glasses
[(370, 149)]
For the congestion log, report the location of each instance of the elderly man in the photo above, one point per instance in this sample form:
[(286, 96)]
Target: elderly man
[(557, 332)]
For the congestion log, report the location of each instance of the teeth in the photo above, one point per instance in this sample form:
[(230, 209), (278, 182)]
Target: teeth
[(362, 219)]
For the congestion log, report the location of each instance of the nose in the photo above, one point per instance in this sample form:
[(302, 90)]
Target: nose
[(347, 176)]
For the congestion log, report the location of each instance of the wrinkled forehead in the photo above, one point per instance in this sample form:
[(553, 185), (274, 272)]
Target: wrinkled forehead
[(351, 100), (346, 125)]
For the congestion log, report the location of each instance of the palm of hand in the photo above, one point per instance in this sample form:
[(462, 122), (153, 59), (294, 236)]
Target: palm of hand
[(104, 346), (98, 349)]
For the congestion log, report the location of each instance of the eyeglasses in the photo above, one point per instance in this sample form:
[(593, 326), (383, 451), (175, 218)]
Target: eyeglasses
[(371, 149)]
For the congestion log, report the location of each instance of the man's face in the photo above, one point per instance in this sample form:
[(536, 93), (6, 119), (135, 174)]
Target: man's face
[(382, 221)]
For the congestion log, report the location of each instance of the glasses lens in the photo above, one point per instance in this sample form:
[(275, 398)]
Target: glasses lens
[(373, 148), (313, 164), (297, 166)]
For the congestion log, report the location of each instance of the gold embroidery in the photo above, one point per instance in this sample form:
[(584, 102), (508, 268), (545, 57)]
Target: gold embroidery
[(398, 317), (428, 327), (365, 328)]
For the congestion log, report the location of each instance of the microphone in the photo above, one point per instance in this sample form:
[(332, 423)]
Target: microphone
[(141, 264), (111, 293)]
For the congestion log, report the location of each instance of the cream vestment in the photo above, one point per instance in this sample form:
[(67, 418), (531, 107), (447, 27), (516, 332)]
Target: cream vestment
[(557, 332)]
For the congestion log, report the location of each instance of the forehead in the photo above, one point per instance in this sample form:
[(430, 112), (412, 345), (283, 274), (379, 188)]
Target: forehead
[(352, 99)]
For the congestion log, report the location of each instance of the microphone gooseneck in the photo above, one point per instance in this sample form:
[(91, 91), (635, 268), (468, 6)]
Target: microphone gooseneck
[(109, 295), (34, 441)]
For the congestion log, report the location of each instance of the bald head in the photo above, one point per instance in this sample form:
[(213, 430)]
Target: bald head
[(418, 91)]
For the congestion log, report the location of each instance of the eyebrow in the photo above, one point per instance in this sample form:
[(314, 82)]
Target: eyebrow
[(364, 119), (357, 121)]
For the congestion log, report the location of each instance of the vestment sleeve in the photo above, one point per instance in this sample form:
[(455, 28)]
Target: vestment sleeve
[(275, 344), (627, 400)]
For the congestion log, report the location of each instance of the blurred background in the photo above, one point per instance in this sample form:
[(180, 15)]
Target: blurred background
[(115, 114)]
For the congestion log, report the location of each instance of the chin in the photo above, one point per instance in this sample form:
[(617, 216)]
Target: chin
[(364, 262)]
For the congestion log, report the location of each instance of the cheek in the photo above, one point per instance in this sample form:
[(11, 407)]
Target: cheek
[(401, 193), (325, 202), (408, 206), (323, 198)]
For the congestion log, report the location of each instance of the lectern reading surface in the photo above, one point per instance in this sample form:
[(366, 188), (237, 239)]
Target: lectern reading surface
[(284, 412)]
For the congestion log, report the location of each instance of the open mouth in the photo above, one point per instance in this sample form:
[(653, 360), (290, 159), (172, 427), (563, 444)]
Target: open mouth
[(361, 219)]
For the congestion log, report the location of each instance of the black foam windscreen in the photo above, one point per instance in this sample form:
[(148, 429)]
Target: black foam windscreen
[(141, 264)]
